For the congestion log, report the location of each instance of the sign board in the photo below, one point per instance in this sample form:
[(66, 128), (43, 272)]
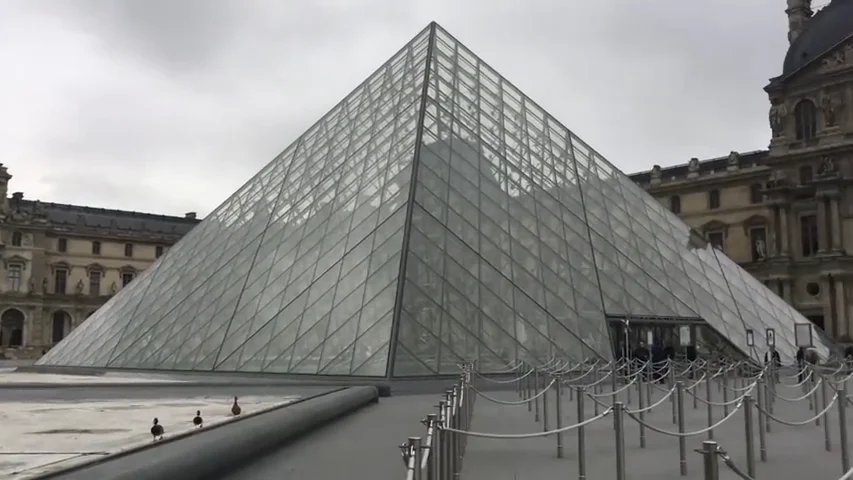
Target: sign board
[(771, 337), (684, 336), (750, 338), (803, 335), (650, 338)]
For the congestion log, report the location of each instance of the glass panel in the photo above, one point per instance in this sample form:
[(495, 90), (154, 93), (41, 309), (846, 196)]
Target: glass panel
[(256, 284)]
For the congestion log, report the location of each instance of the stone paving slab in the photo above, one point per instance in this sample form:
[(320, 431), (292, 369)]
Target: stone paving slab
[(793, 452)]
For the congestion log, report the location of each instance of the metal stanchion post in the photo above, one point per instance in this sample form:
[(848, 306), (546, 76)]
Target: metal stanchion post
[(725, 384), (642, 402), (710, 408), (827, 438), (682, 441), (762, 418), (559, 414), (536, 395), (438, 460), (810, 386), (618, 420), (770, 394), (613, 385), (695, 396), (432, 466), (545, 411), (750, 436), (415, 448), (712, 468), (842, 427), (581, 441), (529, 394)]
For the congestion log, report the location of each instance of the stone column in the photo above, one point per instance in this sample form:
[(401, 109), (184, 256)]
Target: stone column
[(772, 233), (784, 231), (840, 320), (822, 234), (835, 222), (827, 294), (786, 291)]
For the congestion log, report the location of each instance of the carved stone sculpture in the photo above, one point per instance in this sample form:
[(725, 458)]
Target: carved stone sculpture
[(761, 249), (778, 114), (79, 288), (113, 288), (830, 104), (656, 172), (734, 159), (693, 165), (32, 289), (827, 167), (777, 179), (44, 285)]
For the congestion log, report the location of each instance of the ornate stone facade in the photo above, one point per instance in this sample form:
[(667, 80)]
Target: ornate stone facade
[(786, 213), (61, 262)]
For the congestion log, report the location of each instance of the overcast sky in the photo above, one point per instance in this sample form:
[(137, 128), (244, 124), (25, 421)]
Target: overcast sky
[(169, 106)]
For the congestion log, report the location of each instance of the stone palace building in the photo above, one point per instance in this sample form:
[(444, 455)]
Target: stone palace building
[(62, 262), (786, 213)]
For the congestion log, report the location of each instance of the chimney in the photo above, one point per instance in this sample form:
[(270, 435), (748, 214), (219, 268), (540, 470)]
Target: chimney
[(17, 197), (190, 215), (799, 12)]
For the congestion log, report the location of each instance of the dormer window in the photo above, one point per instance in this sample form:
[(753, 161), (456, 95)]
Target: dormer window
[(805, 120)]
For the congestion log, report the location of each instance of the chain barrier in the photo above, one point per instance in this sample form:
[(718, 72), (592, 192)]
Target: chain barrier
[(439, 455)]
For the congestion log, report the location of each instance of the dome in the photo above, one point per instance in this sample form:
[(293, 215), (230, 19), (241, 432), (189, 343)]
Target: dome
[(826, 29)]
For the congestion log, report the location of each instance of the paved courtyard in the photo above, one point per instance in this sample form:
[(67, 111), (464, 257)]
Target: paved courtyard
[(792, 452)]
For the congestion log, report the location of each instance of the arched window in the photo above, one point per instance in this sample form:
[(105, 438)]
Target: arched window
[(805, 120), (12, 328), (675, 204)]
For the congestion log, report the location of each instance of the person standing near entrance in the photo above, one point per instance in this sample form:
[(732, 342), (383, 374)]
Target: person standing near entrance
[(801, 364), (641, 356)]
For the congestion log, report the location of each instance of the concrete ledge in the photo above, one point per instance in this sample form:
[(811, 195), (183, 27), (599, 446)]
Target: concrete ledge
[(209, 452)]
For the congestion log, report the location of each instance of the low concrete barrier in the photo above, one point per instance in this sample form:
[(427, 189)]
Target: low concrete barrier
[(222, 448)]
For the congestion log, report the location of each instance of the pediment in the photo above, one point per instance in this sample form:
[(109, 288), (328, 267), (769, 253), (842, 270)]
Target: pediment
[(755, 221), (95, 267), (15, 260), (713, 226), (128, 269), (60, 265)]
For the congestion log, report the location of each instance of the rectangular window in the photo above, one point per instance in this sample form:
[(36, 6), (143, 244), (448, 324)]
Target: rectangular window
[(758, 241), (62, 245), (94, 283), (716, 240), (808, 235), (158, 251), (13, 275), (96, 248), (713, 199), (126, 278), (60, 281), (128, 250)]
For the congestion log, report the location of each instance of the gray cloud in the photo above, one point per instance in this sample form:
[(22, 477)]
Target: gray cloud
[(170, 106)]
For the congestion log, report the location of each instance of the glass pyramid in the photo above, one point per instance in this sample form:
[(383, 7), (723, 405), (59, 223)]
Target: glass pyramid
[(435, 215)]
